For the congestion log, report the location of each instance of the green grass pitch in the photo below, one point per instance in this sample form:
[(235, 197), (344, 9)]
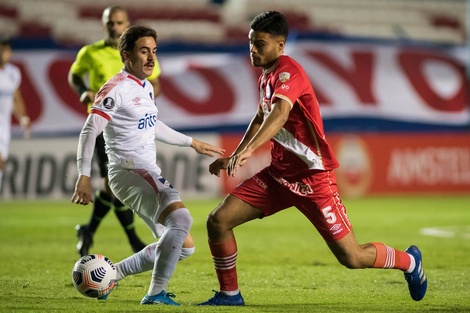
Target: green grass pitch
[(283, 264)]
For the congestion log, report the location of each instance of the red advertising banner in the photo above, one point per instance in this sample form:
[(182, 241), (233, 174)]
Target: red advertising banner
[(379, 164), (402, 163)]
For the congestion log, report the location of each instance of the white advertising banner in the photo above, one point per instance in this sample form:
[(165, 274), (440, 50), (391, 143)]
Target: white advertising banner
[(47, 168), (408, 84)]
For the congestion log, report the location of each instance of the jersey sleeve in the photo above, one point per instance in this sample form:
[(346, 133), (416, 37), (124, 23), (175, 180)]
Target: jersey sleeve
[(109, 98), (94, 125), (170, 136), (81, 64), (288, 83)]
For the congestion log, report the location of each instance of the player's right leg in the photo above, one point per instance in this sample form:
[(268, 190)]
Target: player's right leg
[(231, 212), (156, 202)]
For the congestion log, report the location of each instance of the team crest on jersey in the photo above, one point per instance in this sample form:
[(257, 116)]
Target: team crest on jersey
[(284, 76), (108, 103)]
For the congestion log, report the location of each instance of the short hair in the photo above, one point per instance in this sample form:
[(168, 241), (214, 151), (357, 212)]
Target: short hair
[(271, 22), (132, 34)]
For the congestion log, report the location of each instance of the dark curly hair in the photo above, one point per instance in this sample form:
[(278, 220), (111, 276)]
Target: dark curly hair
[(271, 22)]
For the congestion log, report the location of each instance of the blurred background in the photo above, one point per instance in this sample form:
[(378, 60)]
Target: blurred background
[(390, 75), (70, 23)]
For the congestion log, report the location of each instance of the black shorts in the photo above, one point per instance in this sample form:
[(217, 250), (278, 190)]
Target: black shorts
[(101, 156)]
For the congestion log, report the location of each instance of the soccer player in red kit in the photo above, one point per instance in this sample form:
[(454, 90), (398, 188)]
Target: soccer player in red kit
[(301, 173)]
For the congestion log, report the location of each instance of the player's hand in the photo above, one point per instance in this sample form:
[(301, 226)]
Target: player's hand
[(25, 123), (83, 192), (87, 97), (202, 147), (218, 165), (237, 161)]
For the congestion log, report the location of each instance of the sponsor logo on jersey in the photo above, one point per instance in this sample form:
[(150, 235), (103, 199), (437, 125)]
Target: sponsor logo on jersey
[(260, 182), (296, 187), (335, 229), (108, 103), (148, 120), (284, 76), (136, 101)]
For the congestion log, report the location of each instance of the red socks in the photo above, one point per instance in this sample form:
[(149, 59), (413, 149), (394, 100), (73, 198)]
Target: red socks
[(224, 256), (388, 257)]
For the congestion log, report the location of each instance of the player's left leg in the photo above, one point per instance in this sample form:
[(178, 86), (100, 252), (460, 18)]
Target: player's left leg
[(144, 260), (327, 213), (378, 255)]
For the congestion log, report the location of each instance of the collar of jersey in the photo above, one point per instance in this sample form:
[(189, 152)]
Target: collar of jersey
[(138, 81)]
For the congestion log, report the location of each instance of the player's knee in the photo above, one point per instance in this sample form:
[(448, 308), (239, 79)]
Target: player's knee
[(213, 223), (180, 219)]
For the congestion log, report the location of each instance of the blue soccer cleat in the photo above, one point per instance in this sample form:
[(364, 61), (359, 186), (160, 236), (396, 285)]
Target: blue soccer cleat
[(161, 298), (105, 297), (417, 280), (221, 299)]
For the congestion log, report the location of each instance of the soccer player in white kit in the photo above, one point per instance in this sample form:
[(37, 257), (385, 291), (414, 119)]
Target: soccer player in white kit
[(125, 111), (11, 101)]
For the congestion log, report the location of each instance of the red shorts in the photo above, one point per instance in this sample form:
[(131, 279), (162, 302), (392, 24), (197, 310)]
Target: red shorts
[(316, 196)]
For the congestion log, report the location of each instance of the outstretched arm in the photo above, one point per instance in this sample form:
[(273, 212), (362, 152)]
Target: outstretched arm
[(222, 163), (259, 135), (170, 136)]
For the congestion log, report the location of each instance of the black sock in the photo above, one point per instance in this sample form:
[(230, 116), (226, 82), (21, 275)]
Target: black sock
[(101, 207), (126, 218)]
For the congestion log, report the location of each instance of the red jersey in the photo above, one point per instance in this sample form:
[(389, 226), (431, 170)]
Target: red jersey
[(300, 145)]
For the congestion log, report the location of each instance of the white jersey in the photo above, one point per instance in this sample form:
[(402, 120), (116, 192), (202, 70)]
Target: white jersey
[(127, 104), (10, 80)]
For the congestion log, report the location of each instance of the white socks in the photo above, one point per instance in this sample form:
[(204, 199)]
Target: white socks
[(412, 264), (144, 260), (178, 223)]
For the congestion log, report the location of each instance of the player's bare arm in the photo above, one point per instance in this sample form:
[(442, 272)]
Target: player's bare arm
[(222, 163), (270, 126), (205, 148)]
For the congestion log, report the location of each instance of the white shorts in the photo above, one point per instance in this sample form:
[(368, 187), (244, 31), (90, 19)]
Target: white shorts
[(5, 138), (147, 193)]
